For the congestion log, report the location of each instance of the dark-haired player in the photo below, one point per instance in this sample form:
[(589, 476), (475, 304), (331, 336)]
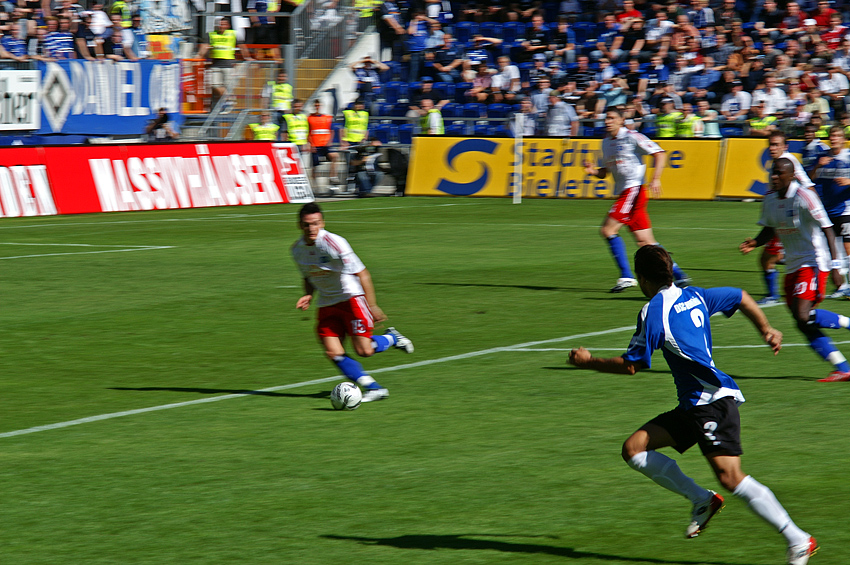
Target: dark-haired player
[(676, 320), (347, 304), (622, 156), (797, 216)]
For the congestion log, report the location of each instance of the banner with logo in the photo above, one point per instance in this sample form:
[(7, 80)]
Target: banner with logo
[(551, 168), (106, 97), (44, 181), (19, 105), (745, 173)]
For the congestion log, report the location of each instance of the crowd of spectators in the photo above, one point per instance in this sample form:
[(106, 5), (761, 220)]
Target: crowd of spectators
[(733, 66), (67, 31)]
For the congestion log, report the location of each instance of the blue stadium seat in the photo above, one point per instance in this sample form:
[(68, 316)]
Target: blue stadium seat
[(390, 91), (378, 109), (455, 129), (452, 110), (405, 134), (465, 30), (400, 110), (498, 110), (491, 29), (512, 31), (648, 129), (460, 91), (503, 131), (482, 130), (337, 133), (445, 90), (387, 75), (386, 132), (731, 131), (473, 110), (405, 90)]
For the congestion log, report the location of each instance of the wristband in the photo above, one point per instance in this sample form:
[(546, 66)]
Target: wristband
[(836, 264)]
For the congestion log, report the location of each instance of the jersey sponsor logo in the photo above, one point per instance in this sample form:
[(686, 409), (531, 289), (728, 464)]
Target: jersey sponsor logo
[(682, 306)]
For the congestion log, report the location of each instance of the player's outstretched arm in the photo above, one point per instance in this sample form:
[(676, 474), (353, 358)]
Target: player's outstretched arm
[(660, 160), (755, 314), (582, 359), (765, 235), (369, 291)]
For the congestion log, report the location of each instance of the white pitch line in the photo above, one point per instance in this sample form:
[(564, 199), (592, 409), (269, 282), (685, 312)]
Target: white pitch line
[(125, 250), (763, 345), (469, 355)]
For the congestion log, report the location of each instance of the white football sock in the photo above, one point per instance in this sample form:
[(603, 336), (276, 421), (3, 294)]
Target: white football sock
[(763, 502), (666, 472)]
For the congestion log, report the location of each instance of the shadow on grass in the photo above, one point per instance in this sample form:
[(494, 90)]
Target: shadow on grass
[(322, 394), (572, 368), (477, 542)]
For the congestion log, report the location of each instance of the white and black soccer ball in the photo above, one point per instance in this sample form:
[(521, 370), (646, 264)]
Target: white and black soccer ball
[(346, 396)]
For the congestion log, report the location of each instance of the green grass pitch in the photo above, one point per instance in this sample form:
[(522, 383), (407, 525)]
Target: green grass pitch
[(490, 448)]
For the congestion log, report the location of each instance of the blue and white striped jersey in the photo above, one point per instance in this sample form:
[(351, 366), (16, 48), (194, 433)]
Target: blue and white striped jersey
[(676, 321)]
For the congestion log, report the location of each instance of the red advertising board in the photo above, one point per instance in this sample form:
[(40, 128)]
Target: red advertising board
[(41, 181)]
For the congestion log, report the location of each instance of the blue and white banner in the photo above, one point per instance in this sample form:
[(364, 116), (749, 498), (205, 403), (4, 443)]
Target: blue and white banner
[(106, 97)]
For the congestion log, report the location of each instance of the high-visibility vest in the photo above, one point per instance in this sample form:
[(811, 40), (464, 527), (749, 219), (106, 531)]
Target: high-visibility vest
[(762, 123), (823, 132), (356, 125), (223, 44), (320, 129), (425, 120), (667, 124), (847, 132), (282, 96), (297, 128), (265, 132), (121, 7), (365, 7), (685, 127)]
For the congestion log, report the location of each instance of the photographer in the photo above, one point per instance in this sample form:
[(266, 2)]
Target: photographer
[(159, 130)]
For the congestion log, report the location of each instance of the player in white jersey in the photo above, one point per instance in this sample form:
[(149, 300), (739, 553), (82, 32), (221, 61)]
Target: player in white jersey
[(346, 302), (772, 252), (796, 215), (676, 321), (622, 156)]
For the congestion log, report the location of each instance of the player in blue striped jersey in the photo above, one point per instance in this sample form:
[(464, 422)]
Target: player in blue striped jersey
[(831, 173), (813, 149), (676, 320)]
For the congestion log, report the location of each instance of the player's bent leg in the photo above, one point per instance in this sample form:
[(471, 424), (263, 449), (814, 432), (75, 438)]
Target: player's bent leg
[(809, 324), (363, 346), (609, 230)]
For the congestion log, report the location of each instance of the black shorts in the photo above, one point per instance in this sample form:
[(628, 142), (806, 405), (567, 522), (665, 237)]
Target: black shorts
[(841, 226), (715, 427), (320, 155)]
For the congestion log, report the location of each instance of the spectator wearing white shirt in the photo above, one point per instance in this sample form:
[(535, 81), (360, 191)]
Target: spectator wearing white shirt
[(506, 82), (835, 87), (774, 98), (658, 31), (736, 104), (842, 55)]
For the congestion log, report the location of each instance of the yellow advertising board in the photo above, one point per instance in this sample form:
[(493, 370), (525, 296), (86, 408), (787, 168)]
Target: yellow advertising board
[(744, 173), (551, 168)]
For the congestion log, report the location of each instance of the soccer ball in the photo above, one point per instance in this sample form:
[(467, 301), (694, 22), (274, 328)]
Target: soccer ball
[(346, 396)]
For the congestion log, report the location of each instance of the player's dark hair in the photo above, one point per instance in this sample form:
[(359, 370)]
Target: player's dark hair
[(307, 209), (653, 263), (615, 110), (778, 133), (782, 164)]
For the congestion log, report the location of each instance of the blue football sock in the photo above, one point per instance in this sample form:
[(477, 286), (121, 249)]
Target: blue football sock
[(827, 319), (678, 273), (618, 250), (824, 347), (383, 342), (352, 369), (771, 277)]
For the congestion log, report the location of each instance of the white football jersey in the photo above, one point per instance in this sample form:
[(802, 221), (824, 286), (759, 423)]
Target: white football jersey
[(798, 220), (623, 156), (330, 266)]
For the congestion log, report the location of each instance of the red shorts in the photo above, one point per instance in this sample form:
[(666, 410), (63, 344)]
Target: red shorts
[(630, 209), (351, 317), (774, 246), (807, 283)]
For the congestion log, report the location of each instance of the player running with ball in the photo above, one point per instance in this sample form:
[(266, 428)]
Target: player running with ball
[(622, 156), (347, 303), (676, 320)]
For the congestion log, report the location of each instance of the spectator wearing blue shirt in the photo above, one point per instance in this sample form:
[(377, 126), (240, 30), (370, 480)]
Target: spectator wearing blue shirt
[(12, 47), (704, 80), (656, 74), (417, 42), (59, 41), (609, 41), (448, 60), (480, 51)]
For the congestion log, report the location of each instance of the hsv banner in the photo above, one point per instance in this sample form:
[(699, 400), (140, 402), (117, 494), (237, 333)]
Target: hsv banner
[(44, 181)]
